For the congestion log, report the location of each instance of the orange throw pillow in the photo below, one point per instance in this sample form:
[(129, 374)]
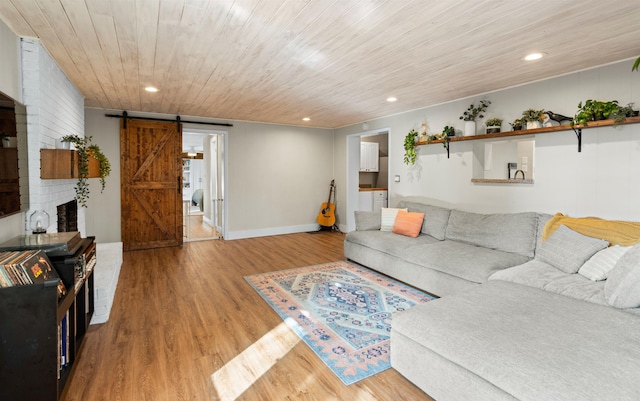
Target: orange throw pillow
[(408, 223)]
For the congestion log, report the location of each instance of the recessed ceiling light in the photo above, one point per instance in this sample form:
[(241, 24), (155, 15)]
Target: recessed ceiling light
[(151, 89), (391, 99), (306, 119), (534, 56)]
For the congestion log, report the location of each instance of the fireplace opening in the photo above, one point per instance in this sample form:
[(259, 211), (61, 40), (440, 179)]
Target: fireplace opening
[(68, 216)]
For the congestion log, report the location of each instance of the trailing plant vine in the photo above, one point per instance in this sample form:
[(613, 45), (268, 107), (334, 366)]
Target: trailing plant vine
[(85, 149), (410, 147)]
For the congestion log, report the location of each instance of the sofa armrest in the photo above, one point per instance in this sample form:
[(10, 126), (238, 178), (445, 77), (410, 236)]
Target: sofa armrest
[(367, 221)]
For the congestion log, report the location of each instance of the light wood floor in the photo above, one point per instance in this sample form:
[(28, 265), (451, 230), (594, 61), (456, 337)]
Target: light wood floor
[(185, 325), (199, 230)]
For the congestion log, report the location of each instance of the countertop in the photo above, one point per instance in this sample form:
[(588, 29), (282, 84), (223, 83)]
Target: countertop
[(372, 189)]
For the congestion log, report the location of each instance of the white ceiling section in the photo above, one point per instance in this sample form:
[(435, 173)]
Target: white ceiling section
[(335, 61)]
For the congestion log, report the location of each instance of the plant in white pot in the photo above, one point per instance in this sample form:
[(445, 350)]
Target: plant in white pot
[(532, 118), (493, 125), (471, 114)]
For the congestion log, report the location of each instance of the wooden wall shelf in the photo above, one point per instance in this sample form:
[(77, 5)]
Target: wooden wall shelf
[(62, 164), (577, 129)]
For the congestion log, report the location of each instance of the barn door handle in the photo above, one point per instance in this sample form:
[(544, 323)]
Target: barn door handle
[(179, 184)]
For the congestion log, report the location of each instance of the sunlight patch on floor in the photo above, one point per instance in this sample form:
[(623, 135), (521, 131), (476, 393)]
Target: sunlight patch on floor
[(231, 380)]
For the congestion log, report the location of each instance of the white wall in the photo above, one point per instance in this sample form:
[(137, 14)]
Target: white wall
[(278, 176), (54, 108), (601, 180), (10, 63)]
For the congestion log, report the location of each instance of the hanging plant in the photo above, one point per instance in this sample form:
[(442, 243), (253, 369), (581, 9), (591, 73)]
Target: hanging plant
[(85, 149), (410, 147)]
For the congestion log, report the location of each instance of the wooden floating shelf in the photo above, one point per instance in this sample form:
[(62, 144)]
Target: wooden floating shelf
[(62, 164), (544, 130)]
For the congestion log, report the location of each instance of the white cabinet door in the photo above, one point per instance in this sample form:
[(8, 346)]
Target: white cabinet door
[(379, 199), (366, 201), (369, 161)]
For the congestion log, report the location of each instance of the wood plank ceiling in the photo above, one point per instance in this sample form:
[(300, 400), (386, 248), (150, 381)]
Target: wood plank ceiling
[(335, 61)]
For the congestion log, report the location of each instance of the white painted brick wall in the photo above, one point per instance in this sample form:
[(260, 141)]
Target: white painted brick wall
[(54, 108)]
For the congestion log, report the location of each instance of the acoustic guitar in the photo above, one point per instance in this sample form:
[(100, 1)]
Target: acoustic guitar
[(327, 217)]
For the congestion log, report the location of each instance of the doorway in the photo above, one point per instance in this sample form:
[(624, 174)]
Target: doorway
[(353, 172), (203, 158)]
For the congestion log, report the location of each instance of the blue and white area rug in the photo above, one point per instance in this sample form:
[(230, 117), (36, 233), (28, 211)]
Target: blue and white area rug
[(341, 310)]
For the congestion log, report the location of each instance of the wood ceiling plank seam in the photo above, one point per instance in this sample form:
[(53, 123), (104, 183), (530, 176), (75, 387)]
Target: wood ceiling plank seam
[(168, 19), (147, 41), (259, 34), (125, 24), (179, 66), (213, 54), (82, 24), (213, 94), (14, 20), (51, 41), (105, 29), (205, 92), (76, 53)]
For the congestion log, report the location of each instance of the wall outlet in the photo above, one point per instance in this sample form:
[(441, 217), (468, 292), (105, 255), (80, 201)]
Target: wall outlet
[(524, 168), (525, 160)]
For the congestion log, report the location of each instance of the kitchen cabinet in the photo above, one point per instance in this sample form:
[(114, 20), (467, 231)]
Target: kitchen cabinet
[(379, 200), (369, 157), (372, 200)]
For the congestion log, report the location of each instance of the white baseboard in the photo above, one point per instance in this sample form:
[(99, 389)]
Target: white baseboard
[(271, 231)]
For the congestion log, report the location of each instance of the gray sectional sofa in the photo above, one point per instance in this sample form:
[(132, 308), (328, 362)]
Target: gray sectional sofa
[(514, 320)]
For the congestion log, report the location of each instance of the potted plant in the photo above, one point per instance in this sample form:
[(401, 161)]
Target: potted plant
[(493, 125), (471, 114), (516, 125), (440, 137), (85, 149), (532, 118), (594, 110), (449, 131), (628, 110), (410, 147)]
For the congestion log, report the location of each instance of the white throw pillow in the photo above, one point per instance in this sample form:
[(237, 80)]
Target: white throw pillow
[(622, 288), (388, 217), (598, 267)]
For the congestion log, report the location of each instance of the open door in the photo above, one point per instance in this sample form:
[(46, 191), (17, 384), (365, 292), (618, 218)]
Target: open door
[(151, 192)]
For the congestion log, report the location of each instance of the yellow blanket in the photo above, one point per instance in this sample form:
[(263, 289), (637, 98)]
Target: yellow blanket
[(624, 233)]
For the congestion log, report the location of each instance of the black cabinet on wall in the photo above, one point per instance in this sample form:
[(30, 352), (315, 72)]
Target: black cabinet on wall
[(37, 350)]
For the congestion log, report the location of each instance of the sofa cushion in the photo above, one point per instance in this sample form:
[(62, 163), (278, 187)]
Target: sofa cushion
[(408, 223), (515, 232), (622, 288), (531, 344), (568, 250), (470, 262), (388, 217), (599, 265), (534, 273), (435, 218), (386, 241), (543, 218), (578, 287), (367, 220)]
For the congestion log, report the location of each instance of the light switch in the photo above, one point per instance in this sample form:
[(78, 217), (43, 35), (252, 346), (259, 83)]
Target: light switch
[(524, 168), (396, 178), (525, 160)]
